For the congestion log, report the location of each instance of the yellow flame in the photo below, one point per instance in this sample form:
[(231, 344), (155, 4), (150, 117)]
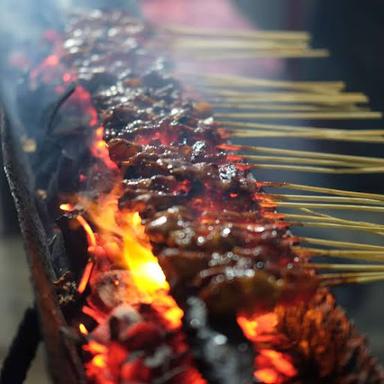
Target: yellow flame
[(122, 237), (66, 207), (123, 230), (83, 330), (147, 273)]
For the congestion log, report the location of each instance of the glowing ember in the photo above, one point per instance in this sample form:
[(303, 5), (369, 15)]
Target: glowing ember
[(267, 376), (83, 330), (95, 347), (88, 230), (280, 362), (86, 276), (271, 366), (66, 207), (255, 328), (97, 316)]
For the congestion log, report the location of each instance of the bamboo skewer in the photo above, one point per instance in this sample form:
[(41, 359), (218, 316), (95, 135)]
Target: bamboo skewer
[(340, 220), (350, 274), (326, 170), (310, 129), (249, 82), (323, 190), (253, 85), (351, 207), (355, 280), (253, 133), (346, 267), (351, 164), (261, 54), (340, 244), (347, 254), (348, 278), (320, 220), (236, 33), (313, 133), (332, 199), (287, 97), (340, 253), (305, 135), (334, 220), (219, 105), (331, 226), (303, 160), (343, 115), (236, 44), (315, 155)]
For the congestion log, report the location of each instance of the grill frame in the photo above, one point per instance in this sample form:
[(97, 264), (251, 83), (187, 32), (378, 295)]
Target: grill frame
[(63, 357)]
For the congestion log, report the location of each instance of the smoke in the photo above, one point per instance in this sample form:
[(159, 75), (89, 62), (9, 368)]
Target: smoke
[(23, 26)]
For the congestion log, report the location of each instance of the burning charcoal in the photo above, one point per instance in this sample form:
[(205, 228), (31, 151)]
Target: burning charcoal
[(121, 318), (161, 357), (135, 371), (112, 289), (144, 335)]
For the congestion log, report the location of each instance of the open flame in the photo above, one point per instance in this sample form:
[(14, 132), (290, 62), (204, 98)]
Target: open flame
[(120, 237)]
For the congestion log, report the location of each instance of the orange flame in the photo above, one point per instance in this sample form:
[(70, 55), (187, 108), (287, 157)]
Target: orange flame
[(122, 232), (121, 235)]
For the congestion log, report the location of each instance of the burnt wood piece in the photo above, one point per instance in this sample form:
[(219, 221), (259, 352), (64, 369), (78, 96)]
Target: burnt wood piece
[(63, 359)]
